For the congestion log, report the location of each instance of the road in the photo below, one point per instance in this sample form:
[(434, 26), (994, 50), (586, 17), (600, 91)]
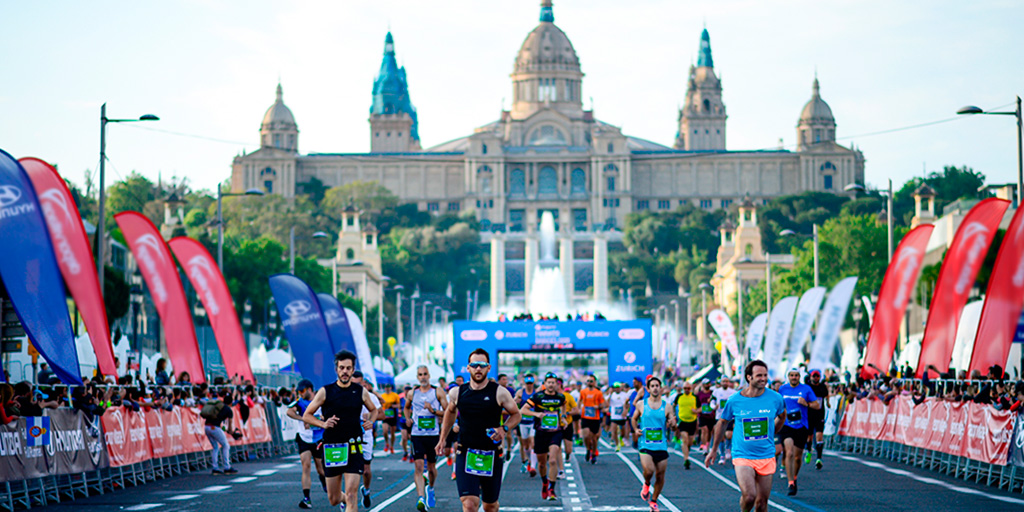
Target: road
[(847, 483)]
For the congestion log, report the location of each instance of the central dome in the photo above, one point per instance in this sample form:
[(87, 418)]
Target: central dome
[(278, 116), (547, 48)]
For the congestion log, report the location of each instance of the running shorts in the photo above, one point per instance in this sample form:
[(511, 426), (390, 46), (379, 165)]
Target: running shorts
[(308, 447), (452, 438), (526, 431), (705, 420), (690, 427), (594, 426), (486, 487), (621, 423), (656, 455), (763, 467), (368, 446), (816, 421), (391, 421), (798, 435), (568, 433), (355, 462), (545, 439), (424, 447)]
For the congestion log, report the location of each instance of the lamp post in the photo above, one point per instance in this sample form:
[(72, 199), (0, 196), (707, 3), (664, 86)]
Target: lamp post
[(814, 237), (220, 220), (398, 308), (380, 316), (704, 320), (971, 110), (291, 246), (102, 225), (663, 309), (768, 280), (423, 315)]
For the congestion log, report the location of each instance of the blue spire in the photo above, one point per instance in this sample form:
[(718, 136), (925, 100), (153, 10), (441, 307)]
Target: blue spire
[(547, 14), (391, 89), (704, 59)]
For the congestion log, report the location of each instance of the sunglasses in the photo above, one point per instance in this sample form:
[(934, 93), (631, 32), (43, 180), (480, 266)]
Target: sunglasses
[(478, 365)]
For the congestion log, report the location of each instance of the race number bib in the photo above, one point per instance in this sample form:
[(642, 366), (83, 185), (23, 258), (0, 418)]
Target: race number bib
[(549, 421), (617, 412), (654, 435), (335, 455), (755, 429), (389, 413), (426, 422), (706, 409), (479, 462), (589, 412)]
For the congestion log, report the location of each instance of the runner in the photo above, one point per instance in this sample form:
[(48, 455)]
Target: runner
[(757, 412), (652, 418), (406, 434), (368, 436), (503, 382), (572, 411), (686, 411), (706, 418), (636, 394), (798, 398), (816, 418), (307, 439), (526, 430), (617, 407), (592, 401), (341, 402), (720, 397), (425, 403), (479, 404), (389, 402), (547, 408)]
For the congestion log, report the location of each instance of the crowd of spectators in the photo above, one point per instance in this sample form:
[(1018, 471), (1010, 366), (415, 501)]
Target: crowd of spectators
[(530, 317), (994, 388)]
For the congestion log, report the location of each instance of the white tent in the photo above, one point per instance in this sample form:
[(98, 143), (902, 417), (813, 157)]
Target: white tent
[(409, 375)]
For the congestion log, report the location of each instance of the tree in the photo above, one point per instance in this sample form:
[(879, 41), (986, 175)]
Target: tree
[(116, 294), (368, 196), (129, 194), (950, 184)]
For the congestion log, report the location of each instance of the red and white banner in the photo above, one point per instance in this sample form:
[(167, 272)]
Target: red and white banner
[(125, 434), (897, 287), (720, 321), (74, 256), (255, 428), (1003, 301), (965, 429), (956, 279), (161, 275), (212, 290)]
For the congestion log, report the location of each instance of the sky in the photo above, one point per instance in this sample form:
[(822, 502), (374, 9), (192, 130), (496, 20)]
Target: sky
[(208, 69)]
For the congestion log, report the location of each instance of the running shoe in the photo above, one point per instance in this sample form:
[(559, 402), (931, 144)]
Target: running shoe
[(654, 506), (551, 493), (818, 464), (366, 497), (782, 470), (544, 494), (807, 458), (342, 506), (596, 452), (561, 475), (217, 472), (421, 505), (305, 503), (230, 471), (508, 455), (686, 464), (453, 475), (431, 498), (522, 468), (792, 489), (704, 448), (618, 447), (450, 460), (645, 492), (532, 471)]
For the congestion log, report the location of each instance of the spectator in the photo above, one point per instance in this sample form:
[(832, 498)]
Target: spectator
[(32, 404), (184, 379), (45, 374), (162, 377), (8, 410), (215, 413)]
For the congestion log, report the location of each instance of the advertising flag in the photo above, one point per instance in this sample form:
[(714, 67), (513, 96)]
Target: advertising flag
[(304, 326), (213, 291), (37, 431), (1003, 301), (30, 272), (720, 321), (362, 346), (337, 324), (755, 335), (897, 286), (161, 275), (74, 256), (779, 321), (806, 311), (832, 318), (956, 279)]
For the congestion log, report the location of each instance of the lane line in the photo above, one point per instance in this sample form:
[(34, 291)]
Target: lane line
[(926, 480), (400, 494), (640, 476), (183, 497), (145, 506), (243, 479), (725, 480), (265, 472), (215, 488), (285, 466)]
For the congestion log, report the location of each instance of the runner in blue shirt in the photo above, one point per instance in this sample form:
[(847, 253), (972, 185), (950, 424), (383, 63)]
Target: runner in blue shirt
[(307, 440), (758, 412), (793, 436)]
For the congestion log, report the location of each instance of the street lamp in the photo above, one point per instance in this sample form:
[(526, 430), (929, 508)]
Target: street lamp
[(704, 319), (380, 315), (814, 236), (101, 228), (291, 246), (426, 333), (220, 220), (398, 308), (971, 110)]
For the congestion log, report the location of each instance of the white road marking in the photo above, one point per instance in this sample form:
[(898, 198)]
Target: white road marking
[(265, 472), (926, 480), (728, 482), (293, 457), (145, 506), (618, 508), (183, 497), (530, 509), (640, 476), (410, 488), (242, 480), (284, 466), (215, 488)]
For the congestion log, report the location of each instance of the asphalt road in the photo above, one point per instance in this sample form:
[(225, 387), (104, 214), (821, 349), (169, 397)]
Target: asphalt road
[(847, 483)]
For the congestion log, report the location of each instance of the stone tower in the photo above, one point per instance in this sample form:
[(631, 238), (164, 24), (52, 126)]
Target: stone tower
[(393, 124), (547, 71), (702, 118), (278, 129), (816, 124)]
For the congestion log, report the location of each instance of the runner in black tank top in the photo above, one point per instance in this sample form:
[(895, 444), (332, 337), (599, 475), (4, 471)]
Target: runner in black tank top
[(340, 404), (479, 405)]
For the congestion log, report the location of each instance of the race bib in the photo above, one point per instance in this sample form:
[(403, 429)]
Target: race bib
[(479, 462), (426, 422), (549, 421), (617, 411), (755, 429), (590, 412), (794, 416), (335, 455), (706, 409), (654, 435), (389, 413)]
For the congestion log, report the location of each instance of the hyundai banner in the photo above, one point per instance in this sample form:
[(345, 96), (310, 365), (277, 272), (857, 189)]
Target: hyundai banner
[(628, 342), (755, 335), (304, 327), (30, 272), (780, 319)]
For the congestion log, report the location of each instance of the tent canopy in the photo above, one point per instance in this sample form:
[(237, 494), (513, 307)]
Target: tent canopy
[(383, 378), (408, 376)]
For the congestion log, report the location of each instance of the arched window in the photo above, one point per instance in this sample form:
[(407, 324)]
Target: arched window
[(578, 181), (611, 168), (707, 106), (350, 253), (484, 174), (748, 250), (483, 148), (268, 171), (611, 147), (547, 181), (517, 182), (547, 135), (828, 166)]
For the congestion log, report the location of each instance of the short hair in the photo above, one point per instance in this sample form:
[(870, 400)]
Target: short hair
[(748, 372), (423, 367), (345, 355), (304, 384), (652, 377), (500, 375), (482, 352)]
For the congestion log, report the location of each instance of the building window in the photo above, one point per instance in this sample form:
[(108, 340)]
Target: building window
[(515, 219), (454, 206), (726, 203), (707, 106), (664, 204), (578, 181), (579, 219), (277, 140), (683, 202), (350, 254), (376, 134), (547, 135), (611, 168), (432, 207), (611, 147), (268, 186), (748, 250), (490, 203), (369, 239), (728, 236), (828, 182), (547, 181), (351, 221), (517, 182), (747, 216), (483, 148), (643, 204), (611, 184), (705, 203)]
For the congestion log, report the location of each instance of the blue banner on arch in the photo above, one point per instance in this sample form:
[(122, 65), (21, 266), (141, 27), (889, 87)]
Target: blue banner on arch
[(304, 326), (30, 273)]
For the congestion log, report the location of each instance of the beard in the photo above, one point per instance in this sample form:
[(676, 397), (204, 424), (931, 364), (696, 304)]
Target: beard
[(481, 378)]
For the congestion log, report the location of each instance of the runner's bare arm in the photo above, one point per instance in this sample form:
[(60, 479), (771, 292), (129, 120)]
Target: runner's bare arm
[(407, 410), (314, 406), (449, 414), (442, 399), (636, 415), (671, 412), (716, 439), (371, 408), (509, 404), (815, 404)]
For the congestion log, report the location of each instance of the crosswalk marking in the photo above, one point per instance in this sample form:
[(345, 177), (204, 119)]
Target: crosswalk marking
[(242, 479), (215, 488), (145, 506), (183, 497), (265, 472)]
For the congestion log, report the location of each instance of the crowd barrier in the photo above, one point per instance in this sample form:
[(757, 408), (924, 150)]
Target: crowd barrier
[(66, 455), (962, 439)]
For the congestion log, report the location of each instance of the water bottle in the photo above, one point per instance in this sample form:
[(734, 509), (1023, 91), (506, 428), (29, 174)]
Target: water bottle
[(490, 433)]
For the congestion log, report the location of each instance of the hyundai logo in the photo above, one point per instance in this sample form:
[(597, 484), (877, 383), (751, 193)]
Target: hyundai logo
[(297, 308), (9, 194)]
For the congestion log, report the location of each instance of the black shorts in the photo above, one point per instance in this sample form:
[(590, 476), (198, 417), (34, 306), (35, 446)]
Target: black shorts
[(546, 438), (817, 422), (393, 421), (355, 465), (690, 427), (308, 447), (486, 487), (656, 455), (405, 425), (451, 439), (704, 420), (424, 447), (568, 434), (621, 423), (594, 426), (798, 435)]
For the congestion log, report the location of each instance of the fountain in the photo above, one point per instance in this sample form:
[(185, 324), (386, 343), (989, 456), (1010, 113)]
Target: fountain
[(547, 288)]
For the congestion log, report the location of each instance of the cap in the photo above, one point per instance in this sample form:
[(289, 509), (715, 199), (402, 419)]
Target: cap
[(705, 381), (303, 384), (793, 370), (357, 374), (550, 375), (816, 372), (528, 378), (616, 385)]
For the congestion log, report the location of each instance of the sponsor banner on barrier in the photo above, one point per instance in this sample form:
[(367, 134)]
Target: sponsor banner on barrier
[(254, 426), (1017, 443), (75, 446), (125, 433), (975, 431)]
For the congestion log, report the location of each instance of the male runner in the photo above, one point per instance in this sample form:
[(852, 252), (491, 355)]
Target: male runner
[(307, 439), (617, 410), (592, 401), (757, 412), (634, 396), (568, 434), (686, 411), (503, 382), (406, 434), (547, 408), (424, 404), (342, 402), (368, 436), (720, 397), (526, 430), (480, 404), (816, 418), (389, 402), (706, 418), (798, 397), (653, 418)]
